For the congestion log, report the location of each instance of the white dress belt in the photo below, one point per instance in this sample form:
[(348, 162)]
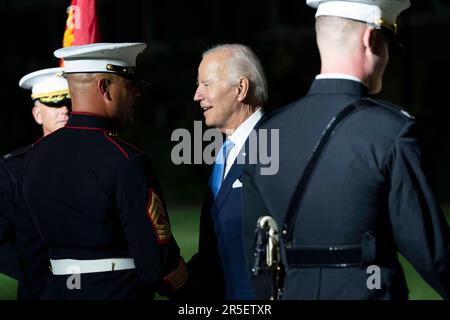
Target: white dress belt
[(71, 266)]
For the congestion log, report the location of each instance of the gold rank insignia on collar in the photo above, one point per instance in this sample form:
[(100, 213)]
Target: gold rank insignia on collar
[(111, 134)]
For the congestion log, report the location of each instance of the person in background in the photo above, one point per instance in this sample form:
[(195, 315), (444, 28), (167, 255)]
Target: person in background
[(51, 104)]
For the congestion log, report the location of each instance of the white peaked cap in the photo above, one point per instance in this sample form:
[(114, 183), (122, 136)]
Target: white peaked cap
[(380, 13), (101, 57), (45, 83)]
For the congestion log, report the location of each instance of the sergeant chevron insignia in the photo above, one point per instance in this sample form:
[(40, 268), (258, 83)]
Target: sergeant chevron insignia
[(177, 278), (158, 217)]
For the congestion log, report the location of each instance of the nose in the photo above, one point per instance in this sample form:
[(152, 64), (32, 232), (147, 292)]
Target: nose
[(198, 94), (63, 114), (64, 110)]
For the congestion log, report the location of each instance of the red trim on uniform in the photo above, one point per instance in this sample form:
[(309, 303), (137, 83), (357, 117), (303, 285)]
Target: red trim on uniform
[(84, 128), (178, 277), (38, 140), (117, 145), (130, 145), (89, 114), (42, 138)]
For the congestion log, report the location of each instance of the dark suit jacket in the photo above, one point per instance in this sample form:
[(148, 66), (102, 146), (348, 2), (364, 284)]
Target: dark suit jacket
[(219, 266)]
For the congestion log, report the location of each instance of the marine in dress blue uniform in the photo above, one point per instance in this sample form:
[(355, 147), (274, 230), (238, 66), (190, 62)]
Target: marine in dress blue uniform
[(95, 199), (220, 264), (369, 196), (50, 94), (9, 167)]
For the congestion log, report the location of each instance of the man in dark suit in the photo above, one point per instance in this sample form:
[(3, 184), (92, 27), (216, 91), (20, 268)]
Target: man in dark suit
[(231, 90), (94, 198), (367, 196), (51, 98)]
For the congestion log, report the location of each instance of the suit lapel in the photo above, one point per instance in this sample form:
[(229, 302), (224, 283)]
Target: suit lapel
[(227, 185)]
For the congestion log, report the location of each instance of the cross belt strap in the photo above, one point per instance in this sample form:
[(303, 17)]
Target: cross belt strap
[(299, 192)]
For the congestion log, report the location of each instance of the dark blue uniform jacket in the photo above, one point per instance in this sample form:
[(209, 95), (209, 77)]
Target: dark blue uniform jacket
[(93, 196), (370, 183)]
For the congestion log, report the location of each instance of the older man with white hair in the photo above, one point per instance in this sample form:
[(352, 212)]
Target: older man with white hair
[(231, 91)]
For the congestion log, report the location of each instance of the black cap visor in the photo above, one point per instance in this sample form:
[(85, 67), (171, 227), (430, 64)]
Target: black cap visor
[(395, 46)]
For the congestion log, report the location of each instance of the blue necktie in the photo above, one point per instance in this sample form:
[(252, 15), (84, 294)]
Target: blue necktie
[(219, 167)]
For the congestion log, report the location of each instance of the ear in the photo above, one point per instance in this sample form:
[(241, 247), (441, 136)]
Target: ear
[(369, 39), (36, 111), (104, 88), (242, 88)]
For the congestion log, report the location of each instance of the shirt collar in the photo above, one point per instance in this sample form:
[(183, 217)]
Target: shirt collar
[(239, 137), (243, 131), (338, 76)]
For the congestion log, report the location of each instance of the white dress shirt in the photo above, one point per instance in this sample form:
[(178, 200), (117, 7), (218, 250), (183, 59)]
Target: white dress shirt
[(239, 137)]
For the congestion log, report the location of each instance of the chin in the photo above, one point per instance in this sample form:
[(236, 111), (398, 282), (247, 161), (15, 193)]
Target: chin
[(207, 122)]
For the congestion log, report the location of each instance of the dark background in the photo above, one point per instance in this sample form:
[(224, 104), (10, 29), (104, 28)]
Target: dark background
[(280, 32)]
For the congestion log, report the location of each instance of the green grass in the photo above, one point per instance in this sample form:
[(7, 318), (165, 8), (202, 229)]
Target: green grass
[(8, 288), (418, 288), (185, 226)]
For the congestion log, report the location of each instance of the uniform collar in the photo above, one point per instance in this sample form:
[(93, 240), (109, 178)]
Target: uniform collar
[(90, 121), (338, 86)]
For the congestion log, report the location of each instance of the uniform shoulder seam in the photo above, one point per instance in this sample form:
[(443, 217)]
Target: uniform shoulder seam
[(397, 110)]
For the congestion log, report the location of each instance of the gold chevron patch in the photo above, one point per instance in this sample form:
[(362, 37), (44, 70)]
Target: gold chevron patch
[(158, 217), (177, 278)]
